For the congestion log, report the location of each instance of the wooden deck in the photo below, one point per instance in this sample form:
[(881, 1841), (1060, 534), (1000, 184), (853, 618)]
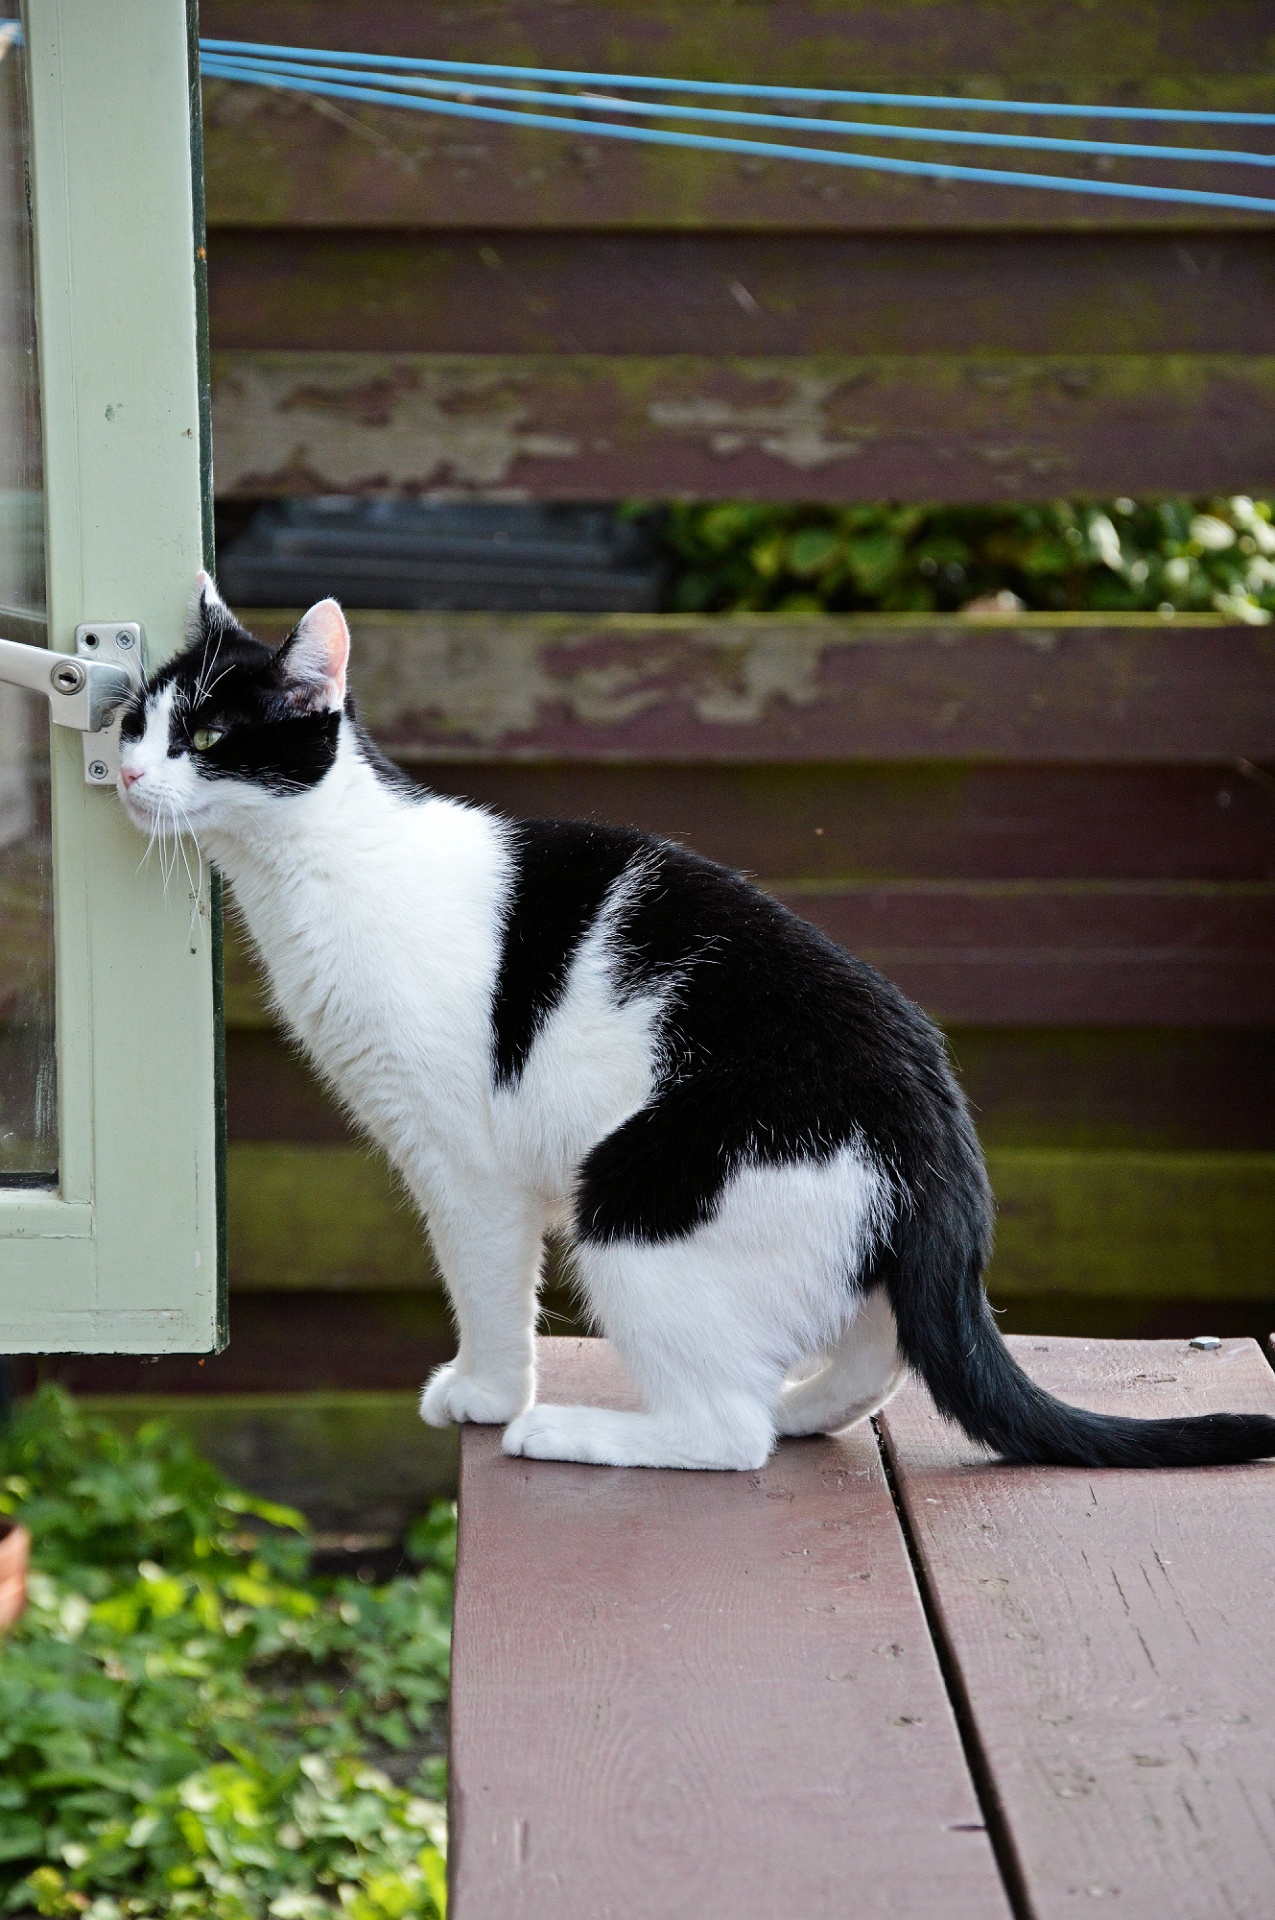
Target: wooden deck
[(886, 1676)]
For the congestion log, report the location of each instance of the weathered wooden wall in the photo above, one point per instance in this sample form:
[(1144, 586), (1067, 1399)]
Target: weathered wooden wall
[(409, 302), (1059, 835)]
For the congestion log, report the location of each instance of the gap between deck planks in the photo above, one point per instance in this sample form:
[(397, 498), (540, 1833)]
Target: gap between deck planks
[(1112, 1636), (702, 1695), (698, 1696)]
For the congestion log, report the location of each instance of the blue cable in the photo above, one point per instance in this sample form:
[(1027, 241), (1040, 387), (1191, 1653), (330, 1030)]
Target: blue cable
[(796, 124), (246, 70), (829, 95)]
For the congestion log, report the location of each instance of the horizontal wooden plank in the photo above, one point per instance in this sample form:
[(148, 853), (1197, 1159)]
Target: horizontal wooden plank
[(1062, 953), (320, 1217), (494, 291), (698, 1695), (1104, 1628), (283, 160), (868, 820), (1170, 45), (777, 687), (1165, 1225), (271, 1094), (272, 159), (903, 426), (1146, 1316), (1190, 1090), (1032, 953), (1184, 1089)]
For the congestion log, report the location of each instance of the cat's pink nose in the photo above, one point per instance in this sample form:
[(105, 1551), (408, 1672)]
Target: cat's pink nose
[(130, 776)]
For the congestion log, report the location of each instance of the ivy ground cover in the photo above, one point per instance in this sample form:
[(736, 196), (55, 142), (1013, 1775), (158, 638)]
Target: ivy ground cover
[(192, 1724)]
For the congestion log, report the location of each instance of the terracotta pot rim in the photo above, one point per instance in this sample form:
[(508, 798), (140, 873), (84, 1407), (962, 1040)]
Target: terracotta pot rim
[(15, 1550)]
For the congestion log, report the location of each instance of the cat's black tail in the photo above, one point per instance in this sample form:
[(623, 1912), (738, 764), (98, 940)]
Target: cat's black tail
[(933, 1274)]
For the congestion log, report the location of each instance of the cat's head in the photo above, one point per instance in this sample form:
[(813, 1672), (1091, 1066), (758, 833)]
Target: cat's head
[(230, 725)]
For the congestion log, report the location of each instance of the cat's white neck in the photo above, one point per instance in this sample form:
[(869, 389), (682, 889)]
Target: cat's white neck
[(312, 836)]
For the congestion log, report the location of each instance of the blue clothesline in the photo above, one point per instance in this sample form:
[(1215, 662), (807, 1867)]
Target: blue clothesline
[(400, 81), (610, 103), (831, 96)]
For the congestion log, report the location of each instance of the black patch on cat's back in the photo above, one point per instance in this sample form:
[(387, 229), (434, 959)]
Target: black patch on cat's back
[(562, 873), (778, 1048)]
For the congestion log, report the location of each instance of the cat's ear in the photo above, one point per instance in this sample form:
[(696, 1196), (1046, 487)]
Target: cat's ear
[(313, 660), (208, 615)]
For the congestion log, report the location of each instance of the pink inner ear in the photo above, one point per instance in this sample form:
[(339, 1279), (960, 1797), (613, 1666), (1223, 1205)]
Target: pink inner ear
[(320, 651)]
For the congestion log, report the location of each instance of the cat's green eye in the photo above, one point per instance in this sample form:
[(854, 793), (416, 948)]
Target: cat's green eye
[(204, 737)]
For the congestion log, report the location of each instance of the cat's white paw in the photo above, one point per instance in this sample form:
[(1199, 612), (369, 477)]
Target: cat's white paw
[(567, 1433), (598, 1437), (451, 1397)]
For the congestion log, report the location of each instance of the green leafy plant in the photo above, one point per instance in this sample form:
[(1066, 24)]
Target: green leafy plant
[(189, 1723), (1121, 556)]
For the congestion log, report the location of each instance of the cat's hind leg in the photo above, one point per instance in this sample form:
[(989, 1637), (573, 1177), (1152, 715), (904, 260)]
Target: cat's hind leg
[(863, 1371), (709, 1389), (709, 1322), (488, 1240)]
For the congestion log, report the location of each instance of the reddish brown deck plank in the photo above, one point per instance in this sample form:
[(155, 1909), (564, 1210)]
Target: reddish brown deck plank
[(1114, 1635), (698, 1696)]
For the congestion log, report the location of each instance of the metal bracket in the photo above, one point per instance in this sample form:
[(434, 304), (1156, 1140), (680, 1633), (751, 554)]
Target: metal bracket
[(85, 692), (108, 647)]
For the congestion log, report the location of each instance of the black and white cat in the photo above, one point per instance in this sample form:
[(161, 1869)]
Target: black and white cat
[(770, 1182)]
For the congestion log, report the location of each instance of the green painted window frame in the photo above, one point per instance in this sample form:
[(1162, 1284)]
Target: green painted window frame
[(125, 1255)]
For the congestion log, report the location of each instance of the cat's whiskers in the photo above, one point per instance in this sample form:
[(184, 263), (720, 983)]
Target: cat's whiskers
[(168, 858), (205, 693), (150, 844), (185, 832), (201, 683)]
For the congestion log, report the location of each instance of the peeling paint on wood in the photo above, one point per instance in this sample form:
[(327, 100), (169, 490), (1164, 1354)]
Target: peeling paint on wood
[(778, 687), (917, 427)]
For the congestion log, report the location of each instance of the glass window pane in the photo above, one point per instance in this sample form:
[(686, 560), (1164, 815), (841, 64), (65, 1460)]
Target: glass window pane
[(28, 1110)]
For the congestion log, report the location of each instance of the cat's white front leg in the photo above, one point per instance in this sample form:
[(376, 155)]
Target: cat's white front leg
[(488, 1240)]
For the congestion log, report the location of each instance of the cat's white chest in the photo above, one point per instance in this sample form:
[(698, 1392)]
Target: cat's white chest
[(383, 940), (382, 958)]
